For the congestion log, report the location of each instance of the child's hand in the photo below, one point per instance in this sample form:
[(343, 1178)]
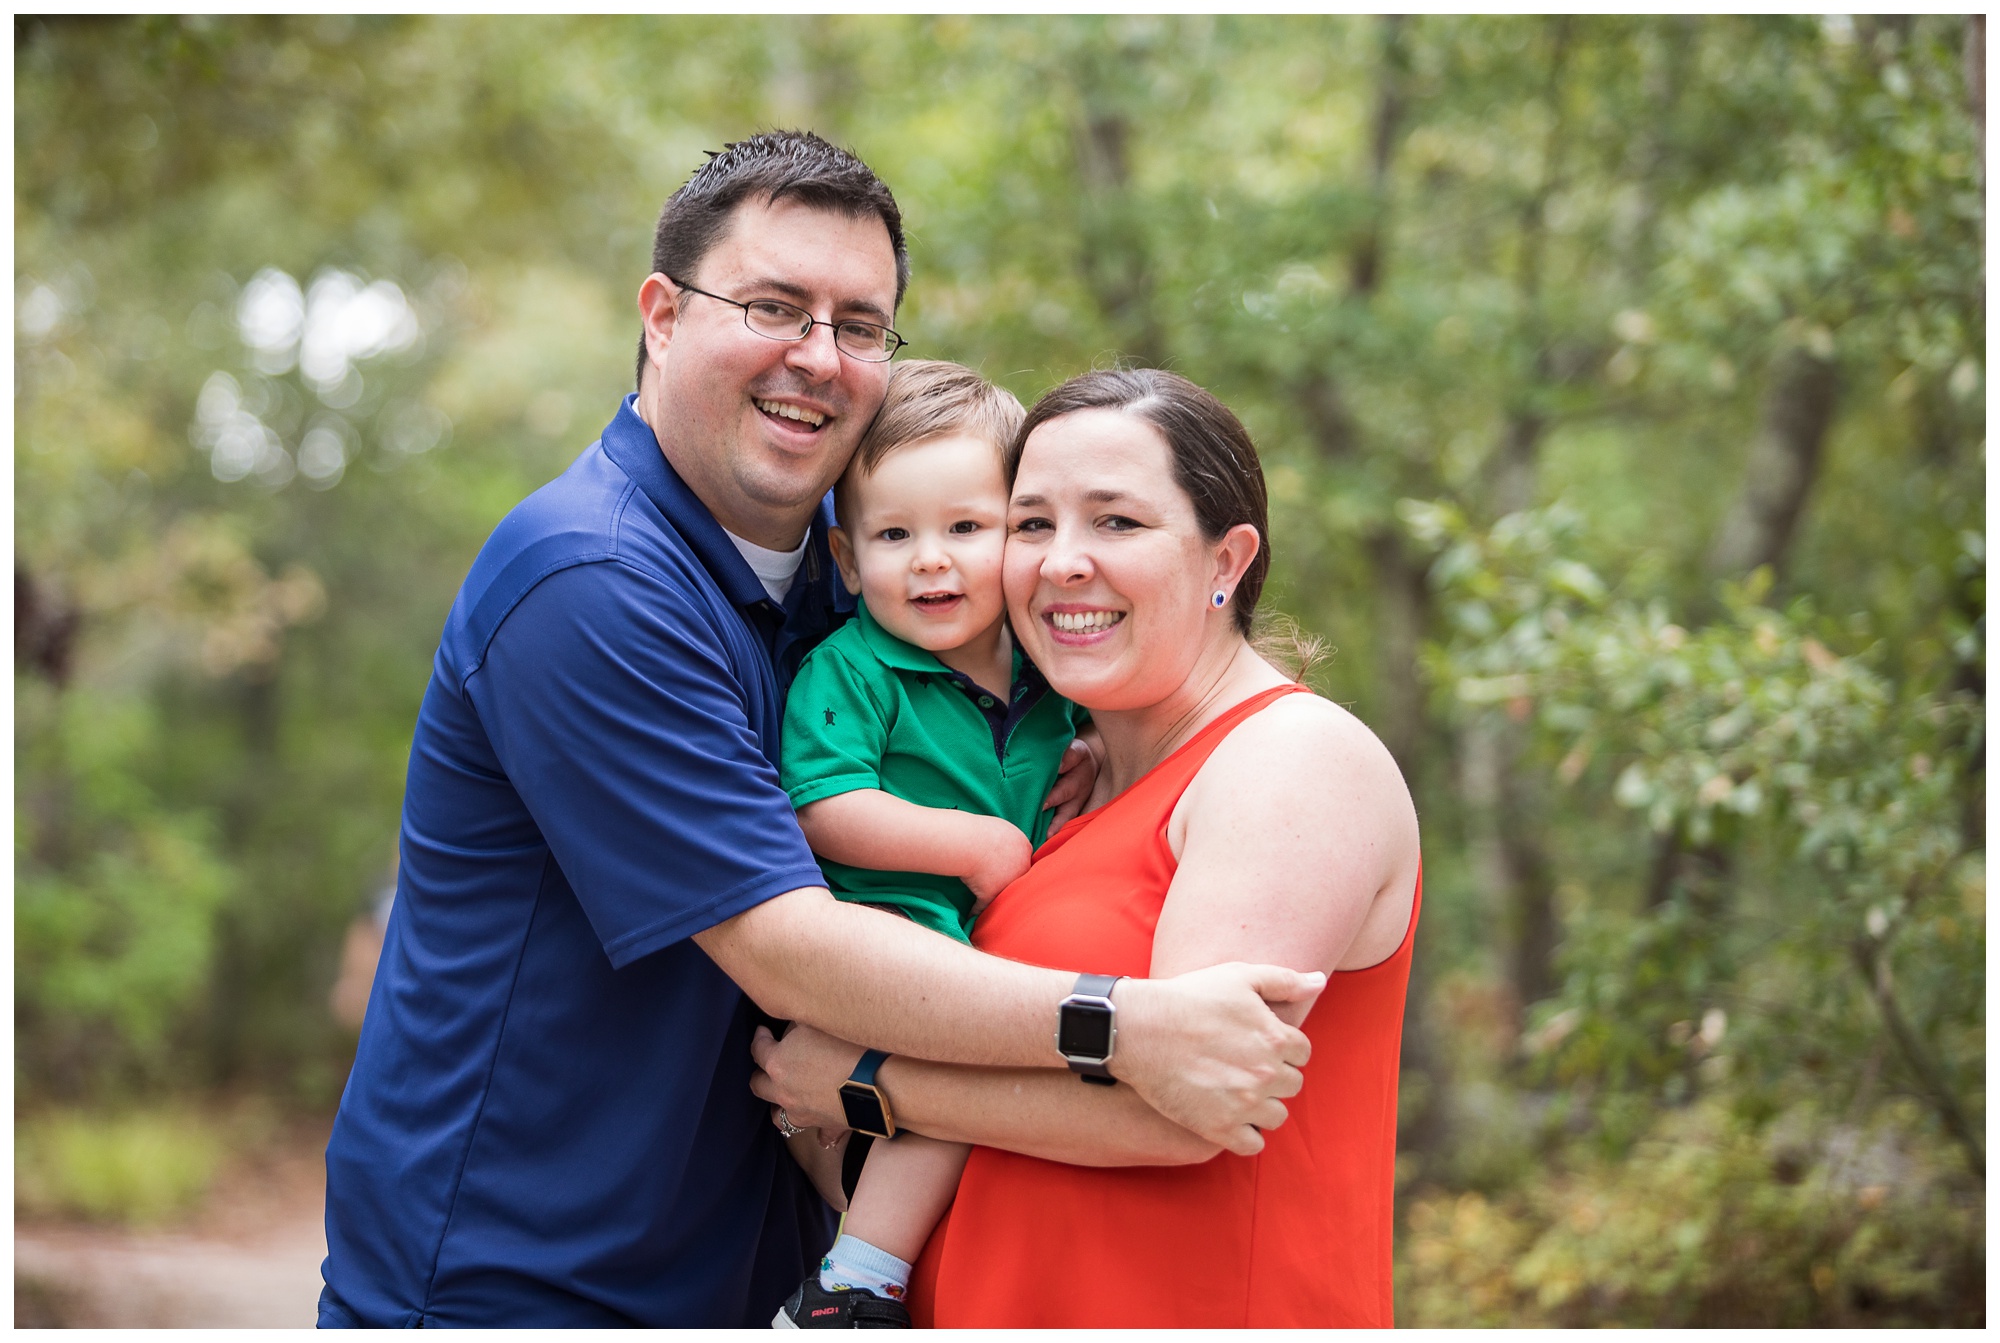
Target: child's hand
[(1075, 777), (1002, 858)]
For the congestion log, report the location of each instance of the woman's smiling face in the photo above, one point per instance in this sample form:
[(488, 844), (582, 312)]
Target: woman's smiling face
[(1107, 573)]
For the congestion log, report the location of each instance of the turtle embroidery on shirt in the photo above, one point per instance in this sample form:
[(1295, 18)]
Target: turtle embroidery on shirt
[(829, 716)]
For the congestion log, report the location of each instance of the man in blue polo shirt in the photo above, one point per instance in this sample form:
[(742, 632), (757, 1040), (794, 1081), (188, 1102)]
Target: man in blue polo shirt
[(550, 1121)]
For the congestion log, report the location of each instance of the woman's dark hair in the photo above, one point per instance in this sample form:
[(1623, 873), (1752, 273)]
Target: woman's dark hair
[(1214, 461), (771, 166)]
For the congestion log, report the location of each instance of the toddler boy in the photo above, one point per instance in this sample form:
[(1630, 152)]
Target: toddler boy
[(918, 747)]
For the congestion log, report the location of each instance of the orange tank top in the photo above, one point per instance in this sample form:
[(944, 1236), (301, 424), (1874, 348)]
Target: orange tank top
[(1296, 1236)]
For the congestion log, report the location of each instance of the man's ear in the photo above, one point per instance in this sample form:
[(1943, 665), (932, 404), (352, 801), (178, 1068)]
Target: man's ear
[(659, 307), (843, 558)]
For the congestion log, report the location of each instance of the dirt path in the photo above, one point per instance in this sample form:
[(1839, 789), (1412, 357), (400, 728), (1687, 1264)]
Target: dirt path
[(250, 1257)]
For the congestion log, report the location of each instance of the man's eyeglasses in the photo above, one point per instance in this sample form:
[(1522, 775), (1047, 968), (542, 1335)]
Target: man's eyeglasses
[(782, 321)]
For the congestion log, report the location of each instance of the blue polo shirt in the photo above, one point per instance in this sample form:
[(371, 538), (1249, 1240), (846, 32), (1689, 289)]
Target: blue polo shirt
[(549, 1121)]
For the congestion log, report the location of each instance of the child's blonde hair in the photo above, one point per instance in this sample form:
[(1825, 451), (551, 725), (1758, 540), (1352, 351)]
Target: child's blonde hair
[(928, 398)]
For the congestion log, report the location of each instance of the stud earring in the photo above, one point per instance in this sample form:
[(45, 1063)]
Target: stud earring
[(1219, 600)]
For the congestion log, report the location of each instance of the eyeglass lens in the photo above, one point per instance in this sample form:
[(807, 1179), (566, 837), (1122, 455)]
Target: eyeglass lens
[(782, 321)]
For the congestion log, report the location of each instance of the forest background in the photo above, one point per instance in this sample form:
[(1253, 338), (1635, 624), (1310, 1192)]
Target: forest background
[(1621, 390)]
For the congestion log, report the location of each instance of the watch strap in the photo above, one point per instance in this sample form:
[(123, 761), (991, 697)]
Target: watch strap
[(1094, 986), (866, 1107), (870, 1064)]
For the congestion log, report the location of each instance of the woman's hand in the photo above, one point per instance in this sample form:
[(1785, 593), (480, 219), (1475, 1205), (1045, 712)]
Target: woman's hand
[(802, 1073), (1076, 776)]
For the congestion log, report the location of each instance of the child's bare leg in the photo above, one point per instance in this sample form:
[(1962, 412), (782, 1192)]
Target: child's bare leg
[(905, 1187)]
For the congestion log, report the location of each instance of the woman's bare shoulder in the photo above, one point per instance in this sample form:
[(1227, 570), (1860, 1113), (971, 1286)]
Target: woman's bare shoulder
[(1304, 737), (1300, 755)]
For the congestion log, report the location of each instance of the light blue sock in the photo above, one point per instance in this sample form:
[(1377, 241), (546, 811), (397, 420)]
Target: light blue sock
[(853, 1262)]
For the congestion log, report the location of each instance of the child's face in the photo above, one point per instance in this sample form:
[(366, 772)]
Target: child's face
[(923, 544)]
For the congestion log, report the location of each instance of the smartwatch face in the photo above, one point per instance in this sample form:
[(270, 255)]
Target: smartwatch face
[(1084, 1031), (865, 1111)]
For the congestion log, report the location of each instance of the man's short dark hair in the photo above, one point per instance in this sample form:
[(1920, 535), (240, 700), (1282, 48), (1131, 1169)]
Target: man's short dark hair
[(773, 165)]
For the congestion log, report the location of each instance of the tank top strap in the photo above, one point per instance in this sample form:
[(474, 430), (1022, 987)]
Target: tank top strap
[(1141, 809), (1172, 775)]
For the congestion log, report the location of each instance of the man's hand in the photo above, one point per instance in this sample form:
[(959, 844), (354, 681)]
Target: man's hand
[(1002, 855), (1076, 775), (1206, 1050)]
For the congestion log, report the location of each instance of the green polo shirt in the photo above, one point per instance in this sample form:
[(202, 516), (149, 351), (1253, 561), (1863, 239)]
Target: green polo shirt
[(870, 711)]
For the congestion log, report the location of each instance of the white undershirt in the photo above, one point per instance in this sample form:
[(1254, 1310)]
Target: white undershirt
[(775, 569)]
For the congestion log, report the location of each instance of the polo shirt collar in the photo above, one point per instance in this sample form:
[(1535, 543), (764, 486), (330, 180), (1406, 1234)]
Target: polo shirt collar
[(630, 442), (1002, 714), (893, 652)]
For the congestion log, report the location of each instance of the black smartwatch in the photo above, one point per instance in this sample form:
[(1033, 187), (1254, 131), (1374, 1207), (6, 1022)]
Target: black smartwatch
[(866, 1105), (1087, 1028)]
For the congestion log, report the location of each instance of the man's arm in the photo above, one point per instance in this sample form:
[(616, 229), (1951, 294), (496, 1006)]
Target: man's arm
[(1205, 1049)]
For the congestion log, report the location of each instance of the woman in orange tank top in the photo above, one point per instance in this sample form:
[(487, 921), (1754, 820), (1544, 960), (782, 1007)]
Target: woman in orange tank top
[(1236, 817)]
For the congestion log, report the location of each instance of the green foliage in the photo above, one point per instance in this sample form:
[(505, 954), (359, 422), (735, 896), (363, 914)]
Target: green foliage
[(1746, 736), (1812, 1221), (136, 1168), (114, 898)]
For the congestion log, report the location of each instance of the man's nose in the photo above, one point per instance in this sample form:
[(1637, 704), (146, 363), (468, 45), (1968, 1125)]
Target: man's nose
[(816, 355)]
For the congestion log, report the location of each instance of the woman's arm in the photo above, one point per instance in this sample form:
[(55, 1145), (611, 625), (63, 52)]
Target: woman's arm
[(1042, 1112), (1297, 845), (1045, 1112)]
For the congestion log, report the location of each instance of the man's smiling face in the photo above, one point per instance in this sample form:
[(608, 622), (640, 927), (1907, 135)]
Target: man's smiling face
[(761, 428)]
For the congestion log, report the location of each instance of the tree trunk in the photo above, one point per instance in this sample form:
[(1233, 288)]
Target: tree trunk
[(1400, 579), (1701, 872), (1871, 959), (1514, 465), (1665, 77), (1504, 802), (1975, 85), (1402, 582), (45, 628), (1364, 267), (1116, 259), (1783, 465), (1424, 1127), (1507, 857)]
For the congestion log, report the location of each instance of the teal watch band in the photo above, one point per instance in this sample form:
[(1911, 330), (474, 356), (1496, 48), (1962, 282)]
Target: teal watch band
[(870, 1064), (865, 1104)]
